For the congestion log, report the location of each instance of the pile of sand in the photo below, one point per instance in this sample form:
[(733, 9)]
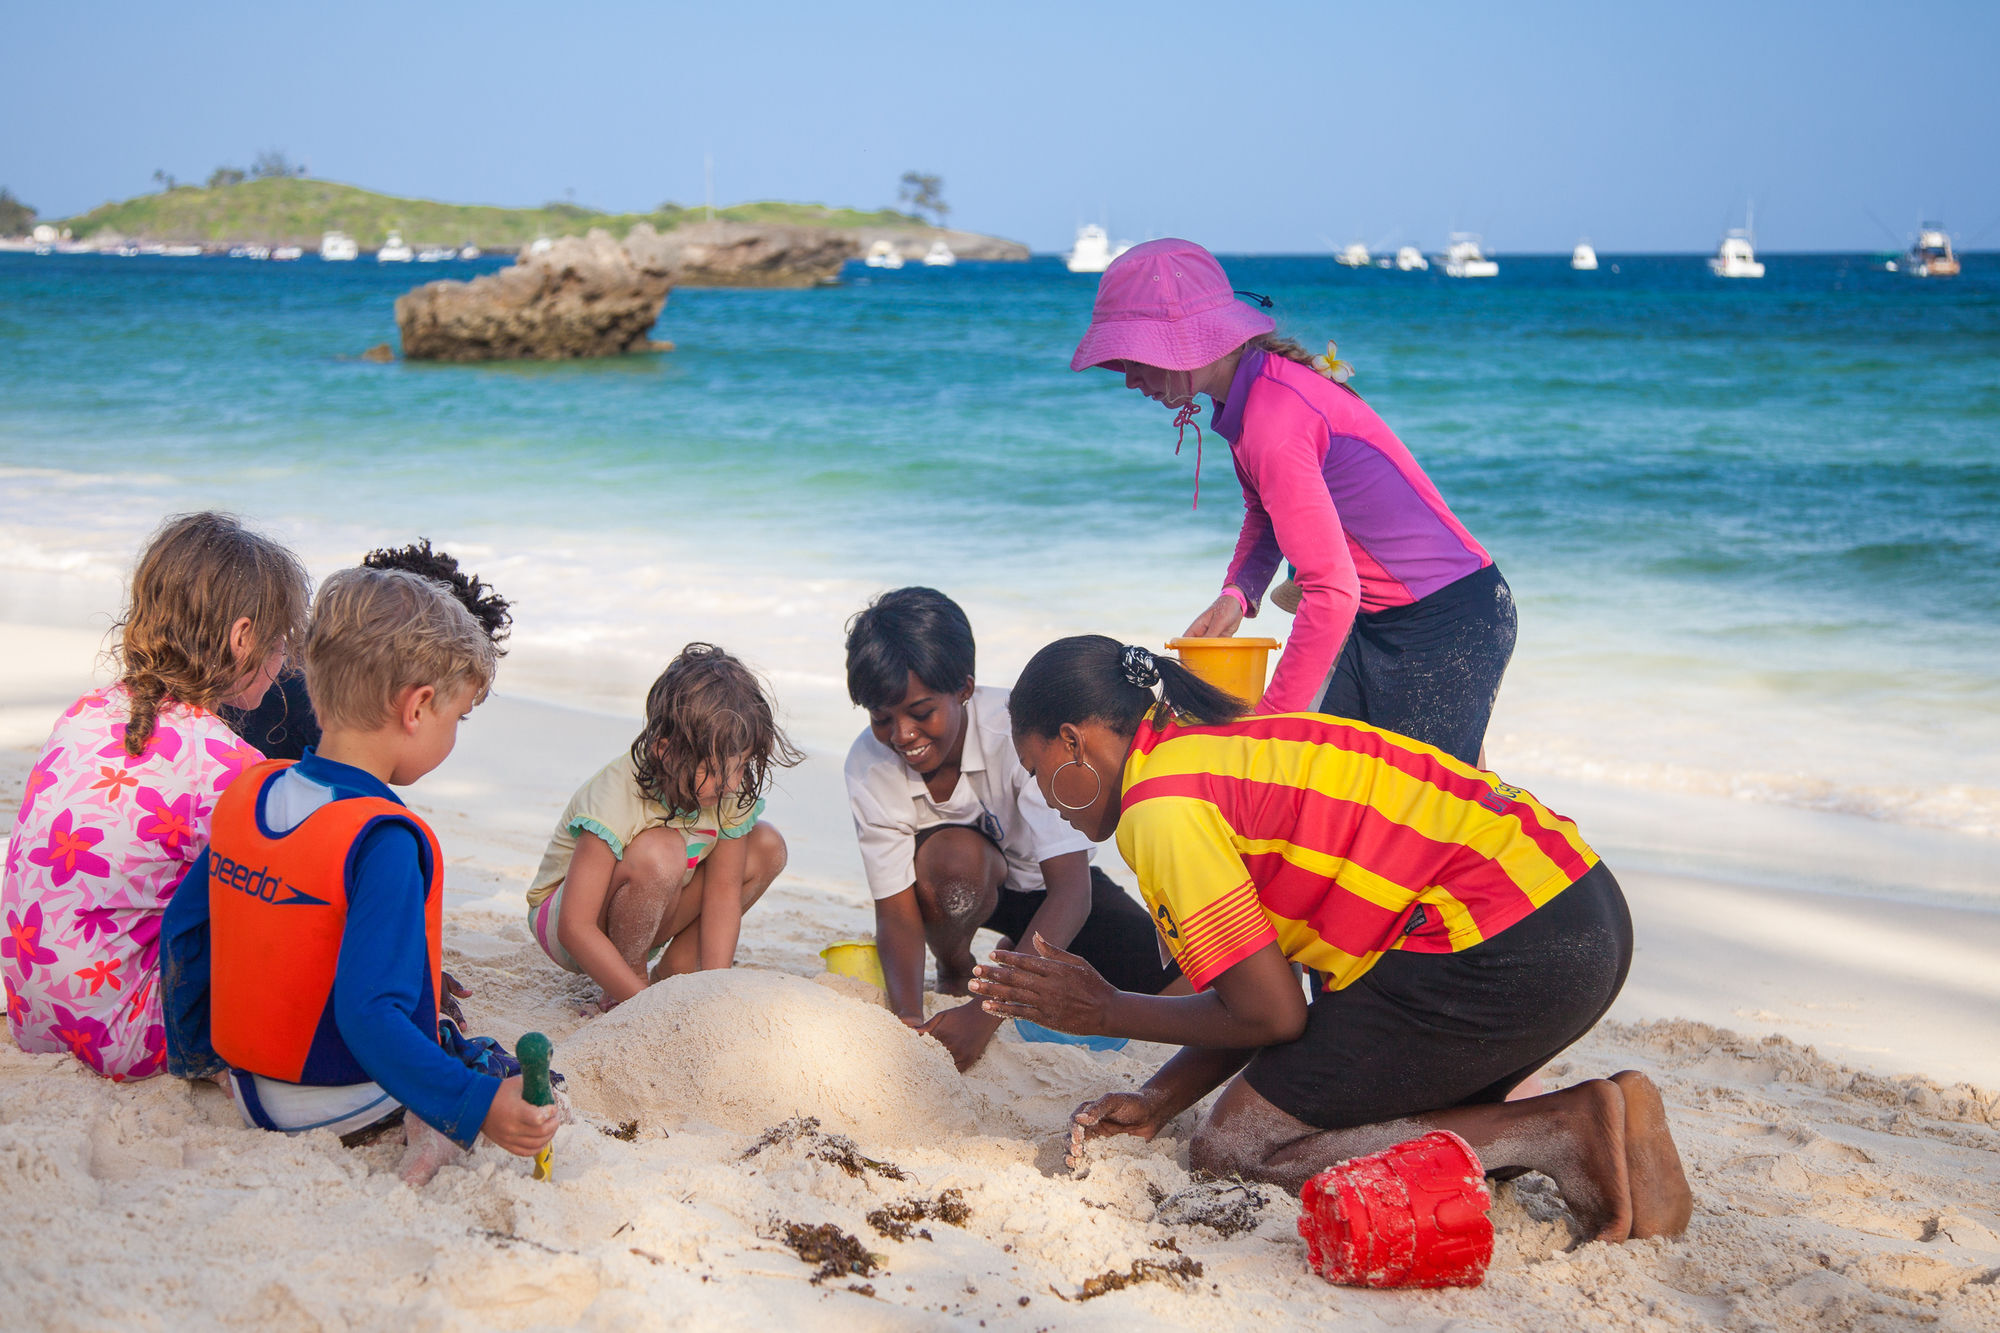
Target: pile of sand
[(742, 1050)]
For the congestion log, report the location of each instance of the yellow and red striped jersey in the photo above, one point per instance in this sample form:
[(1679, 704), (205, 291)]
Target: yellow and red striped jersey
[(1338, 840)]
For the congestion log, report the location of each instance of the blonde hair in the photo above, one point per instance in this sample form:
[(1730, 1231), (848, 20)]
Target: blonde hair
[(378, 632), (198, 576)]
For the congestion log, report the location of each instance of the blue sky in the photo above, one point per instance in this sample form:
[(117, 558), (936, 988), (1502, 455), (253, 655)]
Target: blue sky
[(1250, 127)]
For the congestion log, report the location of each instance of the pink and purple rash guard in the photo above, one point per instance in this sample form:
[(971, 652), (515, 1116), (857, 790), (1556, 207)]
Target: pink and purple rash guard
[(1328, 486)]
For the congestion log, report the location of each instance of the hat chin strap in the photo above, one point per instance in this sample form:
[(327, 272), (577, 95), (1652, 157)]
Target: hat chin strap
[(1183, 419)]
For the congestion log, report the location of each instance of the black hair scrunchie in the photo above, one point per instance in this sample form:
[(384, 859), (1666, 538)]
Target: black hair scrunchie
[(1139, 667)]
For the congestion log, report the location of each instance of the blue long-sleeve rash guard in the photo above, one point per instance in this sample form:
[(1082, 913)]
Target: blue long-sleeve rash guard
[(379, 980)]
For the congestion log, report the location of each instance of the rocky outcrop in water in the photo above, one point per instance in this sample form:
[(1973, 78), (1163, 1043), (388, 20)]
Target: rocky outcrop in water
[(580, 297), (744, 254)]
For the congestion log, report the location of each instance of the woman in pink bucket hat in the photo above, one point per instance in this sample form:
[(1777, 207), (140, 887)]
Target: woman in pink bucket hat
[(1402, 620)]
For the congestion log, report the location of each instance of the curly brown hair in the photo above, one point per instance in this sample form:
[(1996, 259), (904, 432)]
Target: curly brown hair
[(199, 575), (476, 595), (707, 708)]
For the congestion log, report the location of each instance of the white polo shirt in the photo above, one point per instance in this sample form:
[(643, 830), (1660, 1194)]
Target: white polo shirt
[(891, 804)]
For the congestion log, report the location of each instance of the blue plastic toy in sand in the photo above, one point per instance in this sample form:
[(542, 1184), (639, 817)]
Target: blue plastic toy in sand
[(1036, 1032)]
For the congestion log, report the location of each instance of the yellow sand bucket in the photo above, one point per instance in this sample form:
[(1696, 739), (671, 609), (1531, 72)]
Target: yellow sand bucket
[(1235, 665), (855, 958)]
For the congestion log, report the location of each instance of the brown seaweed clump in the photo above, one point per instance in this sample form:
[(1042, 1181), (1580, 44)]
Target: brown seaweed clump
[(898, 1220), (836, 1252), (627, 1131), (803, 1131), (1173, 1272)]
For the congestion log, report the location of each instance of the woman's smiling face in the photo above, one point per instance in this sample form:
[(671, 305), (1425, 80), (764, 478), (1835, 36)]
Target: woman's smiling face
[(926, 727)]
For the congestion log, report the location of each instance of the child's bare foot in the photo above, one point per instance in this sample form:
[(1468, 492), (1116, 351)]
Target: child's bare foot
[(427, 1150), (1661, 1200), (1587, 1158)]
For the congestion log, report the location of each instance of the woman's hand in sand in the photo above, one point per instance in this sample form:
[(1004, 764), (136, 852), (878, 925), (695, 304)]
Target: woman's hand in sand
[(1142, 1114), (512, 1124), (1222, 619), (965, 1029), (1050, 986)]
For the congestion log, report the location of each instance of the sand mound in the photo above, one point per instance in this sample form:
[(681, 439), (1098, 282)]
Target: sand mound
[(743, 1050)]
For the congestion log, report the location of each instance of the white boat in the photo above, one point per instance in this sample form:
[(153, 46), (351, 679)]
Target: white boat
[(1583, 259), (1463, 259), (288, 252), (1735, 257), (883, 254), (393, 250), (468, 251), (1093, 251), (182, 251), (1931, 256), (250, 252), (1410, 259), (338, 246), (939, 255), (541, 245), (1354, 256), (436, 254)]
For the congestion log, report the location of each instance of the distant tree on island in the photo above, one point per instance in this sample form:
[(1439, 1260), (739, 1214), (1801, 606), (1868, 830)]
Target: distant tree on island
[(924, 192), (163, 178), (272, 163), (224, 176), (16, 218)]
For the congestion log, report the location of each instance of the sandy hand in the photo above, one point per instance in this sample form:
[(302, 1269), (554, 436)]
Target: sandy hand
[(513, 1124), (1135, 1113), (1050, 986), (448, 1002)]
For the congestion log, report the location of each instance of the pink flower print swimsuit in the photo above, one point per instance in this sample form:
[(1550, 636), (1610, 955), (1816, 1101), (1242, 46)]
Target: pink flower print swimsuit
[(98, 848)]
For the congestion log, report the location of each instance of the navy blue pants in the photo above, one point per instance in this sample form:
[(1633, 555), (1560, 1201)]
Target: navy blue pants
[(1430, 670)]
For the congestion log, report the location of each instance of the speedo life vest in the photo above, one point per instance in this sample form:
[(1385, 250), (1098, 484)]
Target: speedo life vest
[(277, 906)]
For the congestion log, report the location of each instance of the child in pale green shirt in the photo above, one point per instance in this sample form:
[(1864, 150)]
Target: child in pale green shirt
[(662, 851)]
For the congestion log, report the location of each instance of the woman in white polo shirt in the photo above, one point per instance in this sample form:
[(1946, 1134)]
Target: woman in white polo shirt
[(955, 836)]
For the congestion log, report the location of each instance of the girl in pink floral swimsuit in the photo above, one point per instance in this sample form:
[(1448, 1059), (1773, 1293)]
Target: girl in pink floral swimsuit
[(118, 805)]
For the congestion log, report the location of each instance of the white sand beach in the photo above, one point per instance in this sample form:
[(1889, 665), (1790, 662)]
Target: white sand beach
[(1836, 1186)]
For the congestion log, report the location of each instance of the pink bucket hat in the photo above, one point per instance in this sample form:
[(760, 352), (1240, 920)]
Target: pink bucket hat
[(1166, 303)]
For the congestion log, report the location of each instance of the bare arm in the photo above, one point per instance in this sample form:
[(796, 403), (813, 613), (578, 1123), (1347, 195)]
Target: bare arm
[(1256, 1002), (899, 939), (1066, 905), (722, 902), (584, 890)]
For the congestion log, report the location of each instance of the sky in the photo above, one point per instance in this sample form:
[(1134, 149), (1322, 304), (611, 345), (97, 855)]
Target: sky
[(1250, 127)]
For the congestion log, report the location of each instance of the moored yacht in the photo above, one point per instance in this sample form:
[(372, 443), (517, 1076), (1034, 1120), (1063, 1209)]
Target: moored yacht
[(1931, 256), (393, 250), (468, 251), (1093, 251), (883, 254), (939, 255), (1463, 258), (1409, 259), (338, 247), (436, 254), (1355, 255), (1735, 257), (1584, 258)]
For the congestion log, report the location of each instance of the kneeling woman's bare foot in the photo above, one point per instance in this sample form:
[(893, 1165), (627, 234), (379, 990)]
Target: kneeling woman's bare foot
[(1585, 1156), (427, 1150), (1661, 1200)]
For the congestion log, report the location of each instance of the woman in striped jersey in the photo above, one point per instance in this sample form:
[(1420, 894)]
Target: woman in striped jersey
[(1459, 933)]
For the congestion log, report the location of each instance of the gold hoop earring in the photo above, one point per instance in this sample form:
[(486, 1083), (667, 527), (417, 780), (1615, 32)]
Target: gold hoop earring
[(1095, 791)]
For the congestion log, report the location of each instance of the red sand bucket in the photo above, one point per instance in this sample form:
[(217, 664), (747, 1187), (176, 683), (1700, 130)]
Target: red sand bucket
[(1411, 1216)]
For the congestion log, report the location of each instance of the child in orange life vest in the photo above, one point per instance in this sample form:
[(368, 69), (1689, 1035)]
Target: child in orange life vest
[(324, 893), (662, 851)]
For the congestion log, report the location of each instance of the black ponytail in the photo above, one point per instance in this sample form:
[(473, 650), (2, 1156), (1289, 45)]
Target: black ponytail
[(1090, 678)]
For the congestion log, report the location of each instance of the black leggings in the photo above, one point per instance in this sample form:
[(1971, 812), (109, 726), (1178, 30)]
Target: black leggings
[(1426, 1031), (1430, 670)]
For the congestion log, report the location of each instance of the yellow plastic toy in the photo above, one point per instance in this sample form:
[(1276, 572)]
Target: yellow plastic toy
[(1238, 666), (855, 958)]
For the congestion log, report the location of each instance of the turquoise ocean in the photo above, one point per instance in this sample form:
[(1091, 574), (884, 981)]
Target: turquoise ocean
[(1753, 527)]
